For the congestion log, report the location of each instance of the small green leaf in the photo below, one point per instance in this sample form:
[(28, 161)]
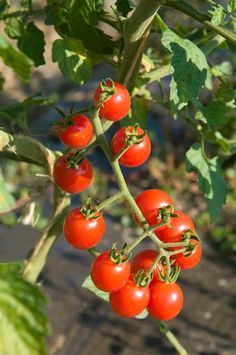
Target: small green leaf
[(15, 267), (7, 201), (77, 67), (23, 324), (138, 113), (124, 6), (32, 43), (217, 13), (216, 114), (14, 27), (88, 283), (231, 5), (223, 69), (210, 179), (190, 70), (16, 60)]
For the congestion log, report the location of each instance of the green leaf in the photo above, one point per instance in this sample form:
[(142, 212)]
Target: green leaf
[(216, 114), (210, 179), (14, 27), (14, 267), (83, 20), (4, 5), (124, 6), (23, 324), (7, 201), (32, 43), (231, 5), (16, 60), (138, 113), (190, 70), (88, 283), (223, 69), (75, 66), (217, 13)]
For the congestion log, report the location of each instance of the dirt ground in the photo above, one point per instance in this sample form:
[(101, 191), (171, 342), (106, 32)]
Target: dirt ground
[(82, 324)]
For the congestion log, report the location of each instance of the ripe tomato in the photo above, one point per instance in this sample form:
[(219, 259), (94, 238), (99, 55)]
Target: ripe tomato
[(83, 233), (78, 133), (137, 154), (166, 300), (179, 225), (144, 260), (117, 106), (149, 202), (107, 275), (70, 179), (190, 261), (130, 300)]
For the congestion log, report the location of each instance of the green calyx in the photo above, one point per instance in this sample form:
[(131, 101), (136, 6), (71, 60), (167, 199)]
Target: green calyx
[(89, 210), (164, 216), (119, 257), (133, 137), (108, 89), (74, 161)]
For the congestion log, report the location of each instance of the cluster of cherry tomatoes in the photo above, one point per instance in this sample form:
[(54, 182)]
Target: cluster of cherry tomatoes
[(84, 227)]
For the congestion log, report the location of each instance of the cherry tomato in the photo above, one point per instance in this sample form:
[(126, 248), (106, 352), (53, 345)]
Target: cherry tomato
[(149, 202), (179, 225), (166, 300), (117, 106), (78, 133), (130, 300), (144, 260), (107, 275), (83, 233), (70, 179), (137, 154), (190, 261)]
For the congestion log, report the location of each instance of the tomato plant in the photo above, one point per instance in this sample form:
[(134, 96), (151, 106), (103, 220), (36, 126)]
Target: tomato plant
[(107, 275), (72, 177), (137, 153), (117, 105), (84, 232), (76, 132), (166, 300), (130, 300)]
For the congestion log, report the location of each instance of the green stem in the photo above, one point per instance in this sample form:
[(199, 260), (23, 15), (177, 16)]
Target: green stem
[(108, 201), (171, 337), (201, 17), (22, 13), (94, 252), (37, 259), (121, 152)]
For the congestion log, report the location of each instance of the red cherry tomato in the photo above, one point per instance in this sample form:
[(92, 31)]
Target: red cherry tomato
[(70, 179), (83, 233), (117, 106), (137, 154), (149, 202), (78, 134), (130, 300), (144, 260), (190, 261), (179, 225), (107, 275), (166, 300)]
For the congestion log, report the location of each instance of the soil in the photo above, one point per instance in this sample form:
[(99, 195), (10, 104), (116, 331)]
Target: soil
[(82, 324)]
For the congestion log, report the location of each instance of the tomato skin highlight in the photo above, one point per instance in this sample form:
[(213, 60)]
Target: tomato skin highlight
[(137, 154), (166, 300), (149, 202), (144, 260), (78, 134), (179, 225), (190, 261), (82, 233), (130, 300), (117, 106), (107, 275), (72, 180)]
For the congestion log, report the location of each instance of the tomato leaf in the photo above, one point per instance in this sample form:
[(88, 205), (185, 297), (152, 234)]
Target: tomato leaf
[(14, 27), (217, 13), (33, 34), (138, 113), (16, 60), (190, 70), (14, 267), (77, 67), (210, 179), (216, 114), (83, 20), (88, 283), (7, 201), (231, 5), (23, 324)]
